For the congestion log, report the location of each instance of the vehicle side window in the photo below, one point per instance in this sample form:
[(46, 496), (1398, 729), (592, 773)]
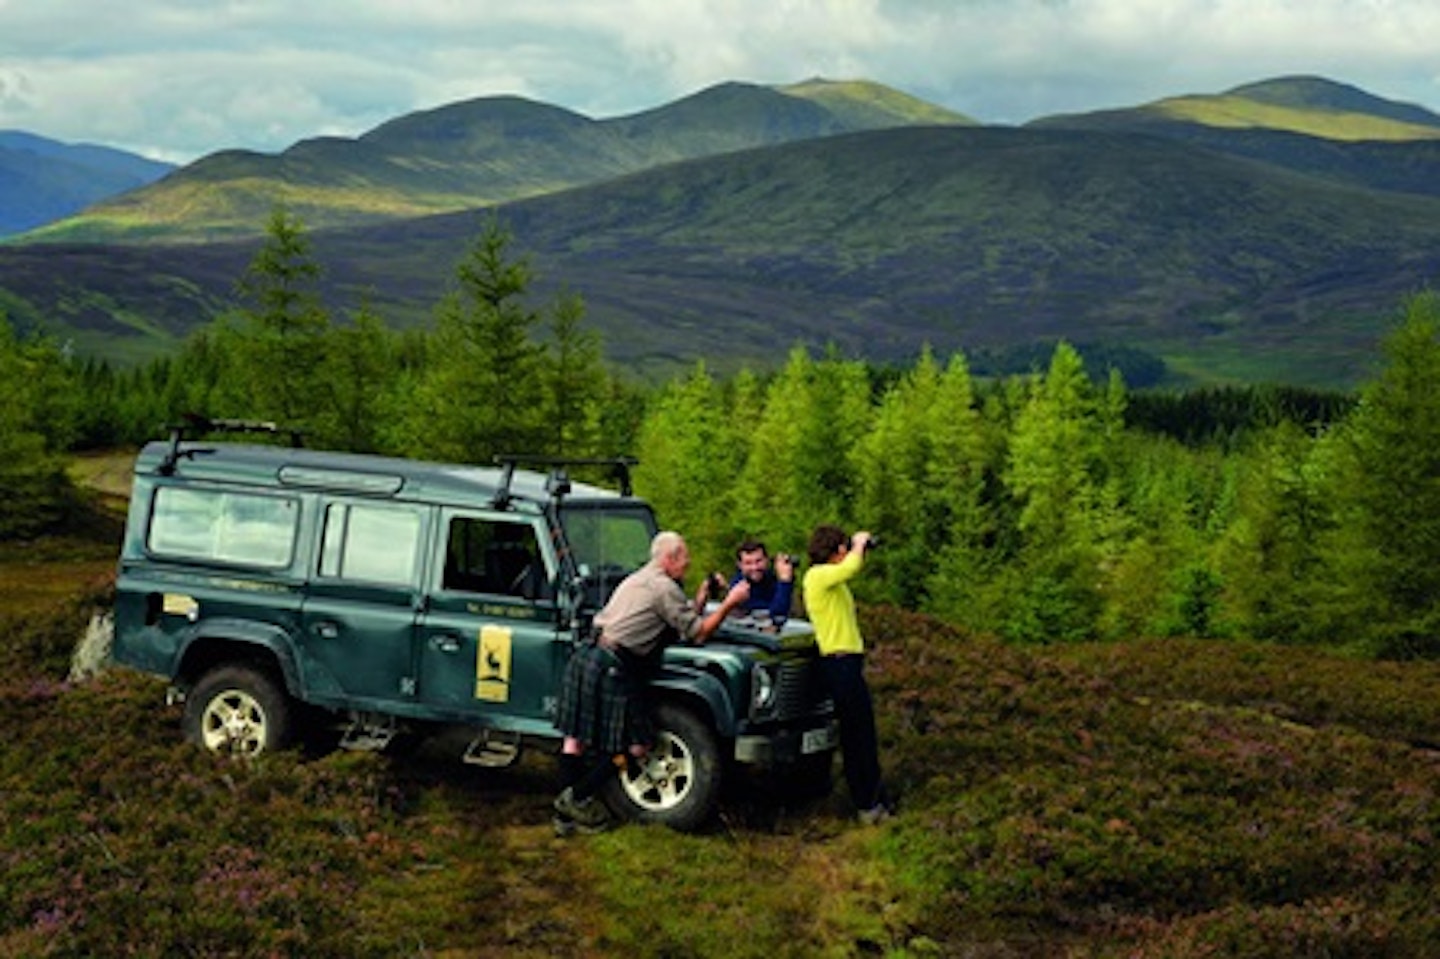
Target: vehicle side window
[(483, 556), (375, 544), (222, 526), (602, 538)]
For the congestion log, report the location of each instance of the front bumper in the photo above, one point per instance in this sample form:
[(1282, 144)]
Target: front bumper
[(787, 745)]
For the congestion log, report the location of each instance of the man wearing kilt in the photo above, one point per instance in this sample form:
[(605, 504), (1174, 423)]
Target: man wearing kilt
[(603, 709)]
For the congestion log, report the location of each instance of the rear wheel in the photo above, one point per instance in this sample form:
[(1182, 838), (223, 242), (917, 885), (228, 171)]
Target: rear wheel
[(678, 783), (239, 711)]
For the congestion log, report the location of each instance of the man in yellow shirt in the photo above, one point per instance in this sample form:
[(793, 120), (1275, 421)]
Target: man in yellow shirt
[(834, 560)]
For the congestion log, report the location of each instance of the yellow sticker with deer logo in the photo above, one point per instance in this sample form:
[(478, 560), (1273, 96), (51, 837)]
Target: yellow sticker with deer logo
[(178, 604), (492, 664)]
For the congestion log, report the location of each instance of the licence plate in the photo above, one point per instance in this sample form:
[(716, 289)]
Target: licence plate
[(819, 740)]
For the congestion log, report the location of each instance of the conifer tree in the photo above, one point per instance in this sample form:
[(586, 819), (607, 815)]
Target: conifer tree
[(139, 415), (1056, 474), (622, 411), (202, 378), (918, 470), (36, 492), (688, 465), (1390, 497), (276, 344), (1163, 580), (961, 520), (575, 381), (1272, 556), (98, 421), (891, 466), (482, 391), (799, 469), (359, 368)]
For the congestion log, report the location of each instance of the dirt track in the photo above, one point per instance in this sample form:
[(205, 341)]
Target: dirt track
[(106, 473)]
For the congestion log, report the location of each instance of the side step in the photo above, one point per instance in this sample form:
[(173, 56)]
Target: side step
[(493, 749), (363, 736)]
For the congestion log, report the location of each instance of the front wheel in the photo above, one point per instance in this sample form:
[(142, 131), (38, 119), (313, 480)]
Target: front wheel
[(678, 783), (239, 711)]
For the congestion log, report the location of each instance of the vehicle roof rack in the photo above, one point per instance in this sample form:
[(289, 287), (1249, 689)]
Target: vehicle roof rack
[(196, 425), (557, 482)]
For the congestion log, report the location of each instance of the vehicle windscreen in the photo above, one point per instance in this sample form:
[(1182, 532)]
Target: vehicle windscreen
[(607, 543)]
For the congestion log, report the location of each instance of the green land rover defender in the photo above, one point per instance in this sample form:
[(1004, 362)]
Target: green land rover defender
[(282, 589)]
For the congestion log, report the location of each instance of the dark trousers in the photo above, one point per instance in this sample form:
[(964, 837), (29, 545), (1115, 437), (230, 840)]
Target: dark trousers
[(844, 678)]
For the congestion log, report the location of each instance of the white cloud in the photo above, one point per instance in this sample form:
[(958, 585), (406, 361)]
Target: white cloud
[(16, 93), (179, 78)]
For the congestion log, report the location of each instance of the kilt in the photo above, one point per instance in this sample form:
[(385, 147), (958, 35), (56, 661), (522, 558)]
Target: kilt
[(602, 702)]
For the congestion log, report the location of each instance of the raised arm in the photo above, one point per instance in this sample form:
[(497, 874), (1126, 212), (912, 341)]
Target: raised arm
[(737, 596)]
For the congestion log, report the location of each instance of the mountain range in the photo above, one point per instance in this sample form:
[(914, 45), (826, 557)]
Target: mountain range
[(475, 153), (42, 180), (1265, 233)]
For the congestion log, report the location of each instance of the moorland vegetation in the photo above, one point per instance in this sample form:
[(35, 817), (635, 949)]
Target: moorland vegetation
[(1150, 799)]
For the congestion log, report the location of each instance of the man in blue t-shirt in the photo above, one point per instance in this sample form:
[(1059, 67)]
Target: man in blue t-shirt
[(771, 589)]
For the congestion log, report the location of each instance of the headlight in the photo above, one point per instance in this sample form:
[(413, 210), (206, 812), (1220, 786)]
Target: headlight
[(762, 689)]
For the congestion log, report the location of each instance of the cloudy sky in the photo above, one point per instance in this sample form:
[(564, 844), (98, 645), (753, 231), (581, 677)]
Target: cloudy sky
[(176, 79)]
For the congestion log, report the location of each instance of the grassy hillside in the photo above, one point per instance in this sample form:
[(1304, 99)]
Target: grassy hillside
[(1341, 100), (960, 237), (462, 155), (738, 116), (963, 238), (1306, 124), (1152, 800), (126, 304), (1312, 106), (864, 105), (1385, 165), (1235, 254), (474, 153), (1240, 111)]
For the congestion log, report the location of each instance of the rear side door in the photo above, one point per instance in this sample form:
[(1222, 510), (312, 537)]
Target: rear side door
[(489, 644), (199, 554), (359, 615)]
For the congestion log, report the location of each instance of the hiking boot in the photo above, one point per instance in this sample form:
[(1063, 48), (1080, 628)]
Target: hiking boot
[(585, 812), (565, 826), (875, 815)]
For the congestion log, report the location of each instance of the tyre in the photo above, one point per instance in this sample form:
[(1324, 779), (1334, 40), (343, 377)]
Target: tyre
[(239, 711), (678, 783)]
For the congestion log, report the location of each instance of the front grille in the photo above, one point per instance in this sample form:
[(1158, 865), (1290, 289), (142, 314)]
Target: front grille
[(799, 692)]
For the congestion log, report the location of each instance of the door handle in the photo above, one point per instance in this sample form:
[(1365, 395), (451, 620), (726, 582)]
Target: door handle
[(445, 643), (327, 629)]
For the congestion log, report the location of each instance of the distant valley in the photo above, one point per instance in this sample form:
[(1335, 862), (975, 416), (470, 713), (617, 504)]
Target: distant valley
[(1243, 244)]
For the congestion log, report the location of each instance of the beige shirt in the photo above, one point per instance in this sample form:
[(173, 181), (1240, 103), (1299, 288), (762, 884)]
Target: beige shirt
[(643, 607)]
